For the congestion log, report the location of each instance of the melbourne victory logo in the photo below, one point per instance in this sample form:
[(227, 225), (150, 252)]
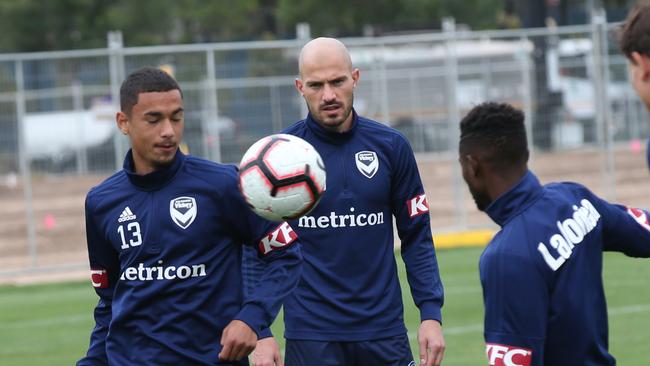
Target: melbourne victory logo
[(367, 163), (183, 211)]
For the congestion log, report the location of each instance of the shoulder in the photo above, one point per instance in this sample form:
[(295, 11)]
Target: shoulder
[(566, 187), (208, 171), (382, 131), (512, 252), (107, 188), (296, 128)]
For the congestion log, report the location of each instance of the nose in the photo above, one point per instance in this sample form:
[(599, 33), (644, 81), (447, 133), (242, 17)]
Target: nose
[(328, 93), (166, 128)]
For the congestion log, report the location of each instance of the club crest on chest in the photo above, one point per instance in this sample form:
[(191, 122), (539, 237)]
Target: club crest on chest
[(367, 163), (183, 211)]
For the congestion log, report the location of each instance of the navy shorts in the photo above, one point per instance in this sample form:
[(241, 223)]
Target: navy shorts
[(394, 351)]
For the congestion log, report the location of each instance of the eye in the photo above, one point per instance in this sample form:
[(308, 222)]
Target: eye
[(338, 82), (152, 120)]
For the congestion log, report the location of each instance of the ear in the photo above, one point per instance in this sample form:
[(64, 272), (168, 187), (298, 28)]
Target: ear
[(643, 64), (122, 121), (355, 77), (472, 165), (298, 84)]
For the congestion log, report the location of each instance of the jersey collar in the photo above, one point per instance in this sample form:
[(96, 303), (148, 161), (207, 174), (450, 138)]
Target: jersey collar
[(155, 179), (332, 137), (515, 200)]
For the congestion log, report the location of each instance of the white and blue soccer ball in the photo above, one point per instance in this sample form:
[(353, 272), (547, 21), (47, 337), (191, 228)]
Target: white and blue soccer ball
[(282, 177)]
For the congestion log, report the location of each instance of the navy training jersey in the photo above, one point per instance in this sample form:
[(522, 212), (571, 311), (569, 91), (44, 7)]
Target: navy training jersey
[(542, 273), (349, 289), (165, 257)]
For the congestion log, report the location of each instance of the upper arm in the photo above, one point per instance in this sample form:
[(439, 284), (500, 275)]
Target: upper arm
[(103, 258), (264, 235), (516, 295), (408, 200), (625, 229)]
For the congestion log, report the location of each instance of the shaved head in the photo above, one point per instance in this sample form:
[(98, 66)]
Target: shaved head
[(322, 50), (327, 83)]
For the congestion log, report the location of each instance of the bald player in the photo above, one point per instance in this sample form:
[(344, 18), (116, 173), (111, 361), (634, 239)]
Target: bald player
[(347, 308)]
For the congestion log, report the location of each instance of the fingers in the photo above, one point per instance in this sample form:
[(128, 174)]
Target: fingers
[(278, 359), (237, 341), (437, 348), (235, 351), (225, 352), (424, 351)]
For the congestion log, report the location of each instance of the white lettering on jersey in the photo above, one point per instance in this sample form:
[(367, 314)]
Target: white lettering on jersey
[(417, 205), (571, 232), (335, 220), (282, 236), (640, 217), (502, 355), (142, 273)]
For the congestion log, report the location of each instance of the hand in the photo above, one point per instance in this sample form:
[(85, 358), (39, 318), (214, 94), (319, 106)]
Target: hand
[(431, 343), (237, 340), (267, 353)]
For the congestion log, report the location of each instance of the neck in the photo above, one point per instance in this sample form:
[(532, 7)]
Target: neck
[(501, 182)]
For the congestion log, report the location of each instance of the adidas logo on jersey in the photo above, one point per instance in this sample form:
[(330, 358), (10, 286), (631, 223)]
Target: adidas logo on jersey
[(126, 215)]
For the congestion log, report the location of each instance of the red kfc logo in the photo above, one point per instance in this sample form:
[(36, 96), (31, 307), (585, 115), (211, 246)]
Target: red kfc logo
[(282, 236), (99, 277), (417, 205), (640, 217), (502, 355)]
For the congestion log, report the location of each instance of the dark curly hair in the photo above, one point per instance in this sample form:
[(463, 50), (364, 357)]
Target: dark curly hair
[(145, 80), (635, 33), (496, 131)]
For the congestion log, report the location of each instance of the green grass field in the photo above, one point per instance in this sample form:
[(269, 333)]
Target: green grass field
[(50, 324)]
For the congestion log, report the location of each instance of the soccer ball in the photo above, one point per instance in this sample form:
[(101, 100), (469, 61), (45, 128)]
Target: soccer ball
[(282, 177)]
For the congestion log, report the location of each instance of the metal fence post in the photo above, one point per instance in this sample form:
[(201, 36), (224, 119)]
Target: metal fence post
[(116, 67), (212, 108), (453, 118), (24, 163), (600, 55), (526, 65), (78, 107)]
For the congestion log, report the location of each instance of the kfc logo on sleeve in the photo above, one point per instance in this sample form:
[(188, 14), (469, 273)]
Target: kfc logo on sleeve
[(417, 205), (640, 217), (99, 277), (502, 355), (282, 236)]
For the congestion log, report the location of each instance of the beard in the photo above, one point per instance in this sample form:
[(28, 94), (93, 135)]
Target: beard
[(321, 117), (482, 200)]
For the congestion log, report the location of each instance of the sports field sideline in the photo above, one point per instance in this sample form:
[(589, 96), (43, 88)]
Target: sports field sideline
[(49, 324)]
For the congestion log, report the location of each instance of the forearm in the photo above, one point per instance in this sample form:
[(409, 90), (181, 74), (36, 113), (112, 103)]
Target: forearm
[(280, 276)]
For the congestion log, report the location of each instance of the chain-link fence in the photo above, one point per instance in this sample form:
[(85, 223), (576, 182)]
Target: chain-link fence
[(58, 137)]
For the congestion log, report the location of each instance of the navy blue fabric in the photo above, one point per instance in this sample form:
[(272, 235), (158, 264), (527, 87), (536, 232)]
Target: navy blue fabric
[(542, 273), (349, 290), (172, 286), (394, 351)]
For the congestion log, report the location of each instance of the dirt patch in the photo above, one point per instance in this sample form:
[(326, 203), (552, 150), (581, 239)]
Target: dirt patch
[(58, 207)]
